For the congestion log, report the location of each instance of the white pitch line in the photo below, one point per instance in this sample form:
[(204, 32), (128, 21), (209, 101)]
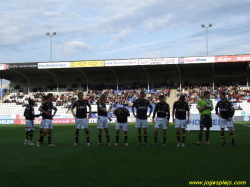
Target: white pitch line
[(243, 124)]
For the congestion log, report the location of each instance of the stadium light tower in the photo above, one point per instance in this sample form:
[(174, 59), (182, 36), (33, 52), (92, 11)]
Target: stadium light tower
[(52, 34), (204, 26)]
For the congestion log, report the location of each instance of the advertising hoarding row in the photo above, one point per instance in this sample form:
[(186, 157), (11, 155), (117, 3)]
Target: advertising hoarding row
[(3, 66), (129, 62)]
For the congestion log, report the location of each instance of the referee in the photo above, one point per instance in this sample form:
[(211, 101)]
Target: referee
[(205, 106)]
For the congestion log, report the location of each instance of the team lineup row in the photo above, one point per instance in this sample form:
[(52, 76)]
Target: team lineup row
[(180, 114)]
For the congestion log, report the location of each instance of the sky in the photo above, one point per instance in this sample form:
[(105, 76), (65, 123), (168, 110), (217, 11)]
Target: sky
[(118, 29)]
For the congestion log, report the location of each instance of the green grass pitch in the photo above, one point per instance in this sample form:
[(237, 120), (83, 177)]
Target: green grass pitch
[(66, 166)]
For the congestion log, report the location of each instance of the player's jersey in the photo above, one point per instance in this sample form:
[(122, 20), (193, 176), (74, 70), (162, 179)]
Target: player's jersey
[(47, 106), (142, 108), (181, 109), (100, 104), (41, 107), (162, 110), (226, 109), (81, 108), (29, 113), (205, 103), (121, 114)]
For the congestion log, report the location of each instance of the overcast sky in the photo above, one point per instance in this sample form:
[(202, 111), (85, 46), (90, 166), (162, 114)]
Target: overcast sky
[(120, 29)]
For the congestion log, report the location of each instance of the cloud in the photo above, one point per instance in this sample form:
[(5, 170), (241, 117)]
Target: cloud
[(74, 47)]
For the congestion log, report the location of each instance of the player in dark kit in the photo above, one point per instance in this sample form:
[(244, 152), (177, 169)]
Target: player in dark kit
[(41, 127), (225, 110), (46, 110), (29, 116), (102, 122), (179, 114), (141, 116), (122, 122), (163, 115), (81, 117)]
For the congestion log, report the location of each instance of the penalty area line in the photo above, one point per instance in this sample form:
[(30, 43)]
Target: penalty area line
[(243, 124)]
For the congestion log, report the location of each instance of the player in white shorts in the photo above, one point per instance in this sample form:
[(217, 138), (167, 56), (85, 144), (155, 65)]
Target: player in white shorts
[(41, 127), (163, 114), (121, 123), (47, 115), (225, 110), (29, 128), (141, 116), (179, 114), (103, 118), (81, 117)]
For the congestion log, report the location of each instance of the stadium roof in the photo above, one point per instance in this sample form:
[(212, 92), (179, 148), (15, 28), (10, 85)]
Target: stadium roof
[(240, 62)]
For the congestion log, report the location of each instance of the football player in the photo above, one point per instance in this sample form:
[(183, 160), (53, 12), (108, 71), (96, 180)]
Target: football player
[(225, 110), (46, 110), (122, 123), (179, 114), (103, 118), (29, 116), (163, 114), (141, 116), (41, 127), (205, 106), (81, 117)]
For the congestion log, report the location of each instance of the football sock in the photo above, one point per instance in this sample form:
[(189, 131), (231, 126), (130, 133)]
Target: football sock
[(200, 136), (126, 137), (100, 138), (49, 137), (41, 132), (232, 138), (87, 136), (164, 138), (183, 137), (145, 138), (30, 135), (27, 135), (117, 137), (222, 135), (207, 136), (139, 137), (178, 136), (77, 136), (155, 136), (41, 137), (108, 137)]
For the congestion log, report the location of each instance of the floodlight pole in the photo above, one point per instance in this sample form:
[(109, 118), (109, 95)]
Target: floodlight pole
[(247, 74), (179, 73), (56, 79), (117, 80), (25, 77), (148, 76), (1, 90), (53, 34), (203, 25), (86, 77), (213, 75)]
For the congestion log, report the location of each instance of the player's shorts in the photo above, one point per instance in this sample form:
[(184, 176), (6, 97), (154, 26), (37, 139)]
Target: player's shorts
[(180, 123), (123, 126), (141, 123), (206, 121), (81, 123), (225, 123), (42, 124), (48, 124), (102, 122), (29, 125), (161, 122)]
